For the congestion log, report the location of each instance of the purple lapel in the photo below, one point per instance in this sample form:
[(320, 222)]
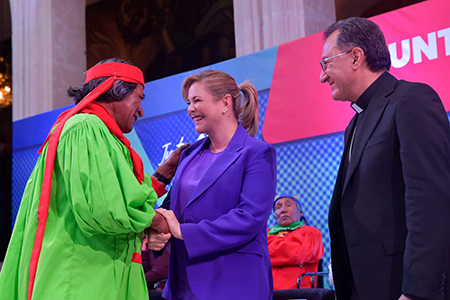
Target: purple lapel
[(179, 173), (222, 163)]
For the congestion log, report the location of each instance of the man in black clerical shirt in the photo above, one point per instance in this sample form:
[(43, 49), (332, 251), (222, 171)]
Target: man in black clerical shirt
[(388, 217)]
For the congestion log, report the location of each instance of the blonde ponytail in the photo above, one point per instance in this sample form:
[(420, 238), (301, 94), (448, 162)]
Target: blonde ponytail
[(248, 108)]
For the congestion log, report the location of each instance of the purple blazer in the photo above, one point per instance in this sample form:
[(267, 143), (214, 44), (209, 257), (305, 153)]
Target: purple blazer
[(224, 222)]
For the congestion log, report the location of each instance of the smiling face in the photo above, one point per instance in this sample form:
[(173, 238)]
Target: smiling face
[(287, 211), (128, 110), (205, 111), (339, 72)]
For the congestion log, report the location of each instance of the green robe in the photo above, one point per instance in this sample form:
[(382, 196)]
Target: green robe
[(97, 213)]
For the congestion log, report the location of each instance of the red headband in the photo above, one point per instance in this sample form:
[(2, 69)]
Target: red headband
[(119, 71)]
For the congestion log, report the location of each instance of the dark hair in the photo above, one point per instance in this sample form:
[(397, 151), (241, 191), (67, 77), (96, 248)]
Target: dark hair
[(363, 33), (119, 91)]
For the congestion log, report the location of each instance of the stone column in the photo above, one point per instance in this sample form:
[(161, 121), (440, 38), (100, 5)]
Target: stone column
[(49, 53), (261, 24)]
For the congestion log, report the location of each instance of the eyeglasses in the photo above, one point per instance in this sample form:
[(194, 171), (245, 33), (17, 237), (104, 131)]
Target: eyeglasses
[(325, 61)]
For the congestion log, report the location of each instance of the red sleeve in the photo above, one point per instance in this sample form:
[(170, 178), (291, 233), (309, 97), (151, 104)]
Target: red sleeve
[(303, 245), (159, 189)]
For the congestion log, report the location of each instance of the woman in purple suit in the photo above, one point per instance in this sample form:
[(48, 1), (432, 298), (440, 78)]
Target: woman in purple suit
[(221, 197)]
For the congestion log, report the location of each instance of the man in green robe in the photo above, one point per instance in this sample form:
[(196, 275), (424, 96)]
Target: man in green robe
[(78, 233)]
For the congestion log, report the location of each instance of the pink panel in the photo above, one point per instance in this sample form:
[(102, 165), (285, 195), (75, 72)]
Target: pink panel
[(299, 106)]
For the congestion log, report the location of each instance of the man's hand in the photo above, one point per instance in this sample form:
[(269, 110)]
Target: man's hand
[(157, 240), (168, 168), (403, 297), (159, 223)]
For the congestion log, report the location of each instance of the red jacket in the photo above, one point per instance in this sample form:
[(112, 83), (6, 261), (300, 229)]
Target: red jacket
[(293, 253)]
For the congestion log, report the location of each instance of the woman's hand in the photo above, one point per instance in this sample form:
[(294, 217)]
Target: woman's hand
[(174, 225), (156, 240)]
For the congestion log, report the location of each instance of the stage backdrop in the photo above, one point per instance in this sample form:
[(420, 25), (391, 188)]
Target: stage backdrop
[(297, 114)]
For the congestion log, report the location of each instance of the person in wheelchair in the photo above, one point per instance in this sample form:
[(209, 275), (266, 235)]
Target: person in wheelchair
[(295, 247)]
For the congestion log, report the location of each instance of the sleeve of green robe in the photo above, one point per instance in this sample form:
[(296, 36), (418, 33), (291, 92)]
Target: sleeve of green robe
[(105, 196)]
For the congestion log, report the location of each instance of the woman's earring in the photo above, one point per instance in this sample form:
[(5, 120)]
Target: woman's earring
[(224, 111)]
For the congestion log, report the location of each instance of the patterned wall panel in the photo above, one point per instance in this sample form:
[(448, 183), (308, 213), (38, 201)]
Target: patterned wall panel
[(23, 162)]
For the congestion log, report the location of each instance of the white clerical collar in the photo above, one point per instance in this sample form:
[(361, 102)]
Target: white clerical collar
[(356, 107)]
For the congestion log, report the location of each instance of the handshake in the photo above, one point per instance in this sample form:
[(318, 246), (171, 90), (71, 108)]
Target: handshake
[(164, 223), (158, 234), (159, 222)]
